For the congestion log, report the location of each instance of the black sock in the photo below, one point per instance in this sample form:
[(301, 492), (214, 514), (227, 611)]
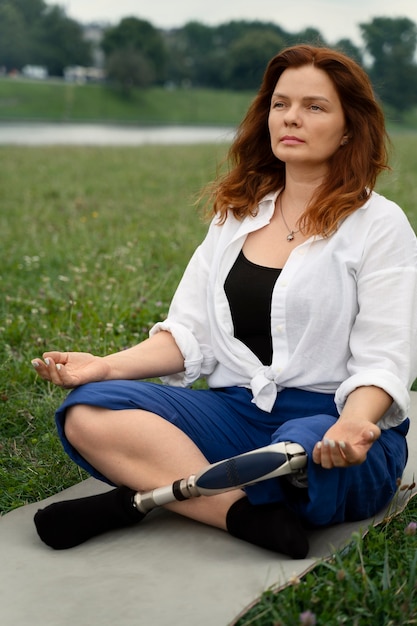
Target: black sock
[(67, 524), (271, 526)]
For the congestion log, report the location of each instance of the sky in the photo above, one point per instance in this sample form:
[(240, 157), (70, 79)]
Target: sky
[(335, 19)]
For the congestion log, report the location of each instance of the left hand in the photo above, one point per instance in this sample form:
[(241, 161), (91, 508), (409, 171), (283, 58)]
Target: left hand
[(346, 443)]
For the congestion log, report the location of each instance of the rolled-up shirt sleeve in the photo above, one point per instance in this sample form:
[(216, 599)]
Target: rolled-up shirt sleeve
[(187, 319), (383, 336)]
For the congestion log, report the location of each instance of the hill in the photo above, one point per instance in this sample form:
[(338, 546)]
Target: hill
[(69, 102)]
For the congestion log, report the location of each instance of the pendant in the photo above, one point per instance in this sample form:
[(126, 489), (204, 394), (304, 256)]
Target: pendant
[(290, 236)]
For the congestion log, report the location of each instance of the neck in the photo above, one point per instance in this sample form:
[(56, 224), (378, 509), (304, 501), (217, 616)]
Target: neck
[(301, 185)]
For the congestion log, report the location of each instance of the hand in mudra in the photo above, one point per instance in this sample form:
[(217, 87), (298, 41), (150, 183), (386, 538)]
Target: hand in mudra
[(70, 369), (346, 443)]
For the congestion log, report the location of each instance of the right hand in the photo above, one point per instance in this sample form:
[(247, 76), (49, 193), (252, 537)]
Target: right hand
[(71, 369)]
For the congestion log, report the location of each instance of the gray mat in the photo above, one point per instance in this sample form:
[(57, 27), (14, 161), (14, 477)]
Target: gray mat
[(167, 571)]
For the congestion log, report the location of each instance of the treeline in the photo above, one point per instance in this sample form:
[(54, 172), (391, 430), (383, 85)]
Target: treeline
[(33, 33), (229, 56)]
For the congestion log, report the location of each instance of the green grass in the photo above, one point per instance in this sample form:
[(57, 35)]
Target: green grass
[(93, 242), (57, 101), (68, 102), (400, 184), (371, 582)]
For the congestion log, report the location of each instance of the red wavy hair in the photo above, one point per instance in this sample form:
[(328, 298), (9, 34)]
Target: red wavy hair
[(255, 171)]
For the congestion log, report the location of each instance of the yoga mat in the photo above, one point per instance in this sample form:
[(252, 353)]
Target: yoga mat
[(166, 571)]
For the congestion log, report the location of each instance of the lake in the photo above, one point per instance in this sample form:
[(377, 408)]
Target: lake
[(37, 134)]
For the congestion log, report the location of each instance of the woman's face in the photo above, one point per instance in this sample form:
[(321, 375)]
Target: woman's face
[(306, 120)]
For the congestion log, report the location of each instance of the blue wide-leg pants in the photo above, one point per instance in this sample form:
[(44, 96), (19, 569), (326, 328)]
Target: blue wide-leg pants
[(225, 422)]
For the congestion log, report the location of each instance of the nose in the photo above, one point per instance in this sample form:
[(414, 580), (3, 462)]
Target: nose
[(292, 116)]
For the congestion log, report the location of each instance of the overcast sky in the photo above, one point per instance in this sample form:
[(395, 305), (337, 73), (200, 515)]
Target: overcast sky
[(333, 18)]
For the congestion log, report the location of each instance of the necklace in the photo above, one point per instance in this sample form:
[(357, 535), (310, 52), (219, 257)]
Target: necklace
[(291, 233)]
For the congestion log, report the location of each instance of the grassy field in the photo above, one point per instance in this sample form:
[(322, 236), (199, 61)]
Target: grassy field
[(92, 244), (69, 102), (372, 582)]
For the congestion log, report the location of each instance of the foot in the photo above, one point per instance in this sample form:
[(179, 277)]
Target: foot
[(271, 526), (67, 524)]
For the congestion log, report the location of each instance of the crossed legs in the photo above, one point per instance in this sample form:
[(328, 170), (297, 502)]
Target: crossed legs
[(138, 450), (142, 451)]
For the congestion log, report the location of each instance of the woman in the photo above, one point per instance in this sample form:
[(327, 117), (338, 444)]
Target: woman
[(300, 310)]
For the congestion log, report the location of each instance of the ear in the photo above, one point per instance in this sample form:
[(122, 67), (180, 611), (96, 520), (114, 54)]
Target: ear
[(346, 137)]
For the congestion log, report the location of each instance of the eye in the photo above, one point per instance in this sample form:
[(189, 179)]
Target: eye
[(278, 104), (315, 107)]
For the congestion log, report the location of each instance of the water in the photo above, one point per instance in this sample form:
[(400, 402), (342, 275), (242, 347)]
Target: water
[(40, 134)]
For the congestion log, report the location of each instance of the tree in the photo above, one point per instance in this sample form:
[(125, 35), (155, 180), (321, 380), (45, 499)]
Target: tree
[(129, 68), (13, 40), (59, 42), (392, 44), (196, 55), (310, 36), (230, 32), (349, 48), (29, 10), (135, 39), (33, 33), (18, 22), (203, 54), (248, 58)]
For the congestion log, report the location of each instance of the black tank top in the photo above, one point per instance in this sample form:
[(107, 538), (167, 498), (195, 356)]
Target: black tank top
[(249, 289)]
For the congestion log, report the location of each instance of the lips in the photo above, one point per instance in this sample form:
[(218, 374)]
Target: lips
[(291, 140)]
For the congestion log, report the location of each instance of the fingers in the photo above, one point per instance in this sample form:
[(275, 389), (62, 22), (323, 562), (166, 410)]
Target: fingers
[(49, 370), (374, 433), (346, 443), (57, 357), (330, 453)]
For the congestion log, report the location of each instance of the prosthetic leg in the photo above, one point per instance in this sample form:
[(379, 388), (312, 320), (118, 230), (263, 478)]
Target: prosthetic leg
[(63, 525), (272, 461)]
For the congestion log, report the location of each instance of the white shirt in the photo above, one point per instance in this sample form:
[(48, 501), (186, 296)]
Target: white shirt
[(343, 314)]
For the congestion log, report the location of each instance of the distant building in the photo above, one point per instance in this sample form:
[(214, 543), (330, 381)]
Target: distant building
[(37, 72), (82, 75), (94, 34)]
